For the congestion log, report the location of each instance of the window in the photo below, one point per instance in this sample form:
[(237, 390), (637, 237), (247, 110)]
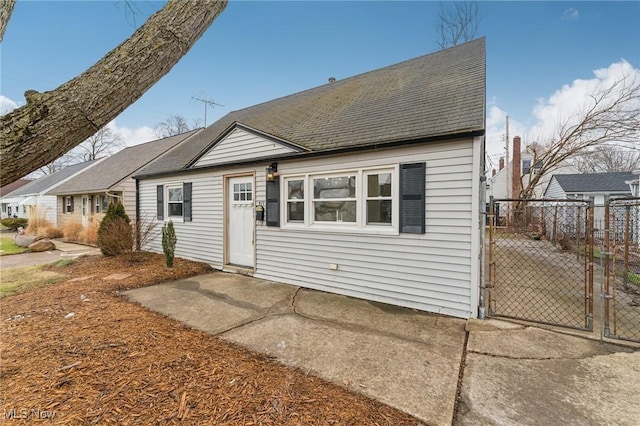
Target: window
[(526, 166), (98, 204), (295, 200), (334, 199), (174, 201), (242, 191), (68, 204), (379, 198), (105, 203)]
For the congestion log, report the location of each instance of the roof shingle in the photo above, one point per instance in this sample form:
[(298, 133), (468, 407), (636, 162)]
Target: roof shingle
[(439, 94), (595, 182)]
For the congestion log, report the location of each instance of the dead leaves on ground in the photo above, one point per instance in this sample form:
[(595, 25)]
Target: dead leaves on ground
[(114, 362)]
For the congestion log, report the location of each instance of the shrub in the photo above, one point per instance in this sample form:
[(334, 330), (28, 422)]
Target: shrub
[(72, 231), (51, 232), (169, 240), (146, 230), (14, 223), (89, 234), (37, 222), (114, 234), (116, 237)]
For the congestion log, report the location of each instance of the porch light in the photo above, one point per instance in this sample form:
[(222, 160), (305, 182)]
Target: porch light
[(272, 172)]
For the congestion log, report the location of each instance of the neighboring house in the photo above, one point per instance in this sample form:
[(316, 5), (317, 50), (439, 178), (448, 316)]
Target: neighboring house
[(88, 194), (368, 186), (507, 181), (598, 187), (634, 184), (7, 209), (26, 200)]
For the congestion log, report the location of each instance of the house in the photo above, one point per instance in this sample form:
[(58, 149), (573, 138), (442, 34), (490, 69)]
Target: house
[(510, 178), (598, 187), (7, 210), (87, 195), (26, 200), (368, 186)]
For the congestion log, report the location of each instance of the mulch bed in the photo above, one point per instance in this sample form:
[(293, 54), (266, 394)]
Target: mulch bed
[(82, 353)]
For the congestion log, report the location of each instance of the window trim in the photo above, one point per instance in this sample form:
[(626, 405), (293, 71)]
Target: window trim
[(360, 225), (167, 216), (288, 200), (68, 205)]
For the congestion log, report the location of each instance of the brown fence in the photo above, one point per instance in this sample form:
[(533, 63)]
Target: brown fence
[(620, 255), (551, 262), (540, 261)]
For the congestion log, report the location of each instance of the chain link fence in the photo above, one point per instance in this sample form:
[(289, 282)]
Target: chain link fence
[(540, 261), (620, 251)]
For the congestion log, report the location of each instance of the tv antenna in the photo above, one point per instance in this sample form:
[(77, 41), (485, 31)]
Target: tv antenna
[(207, 102)]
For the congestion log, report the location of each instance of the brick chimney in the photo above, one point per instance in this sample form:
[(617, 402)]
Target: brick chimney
[(501, 163), (517, 169)]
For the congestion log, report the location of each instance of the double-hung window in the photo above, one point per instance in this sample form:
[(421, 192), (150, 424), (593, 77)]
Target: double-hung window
[(294, 190), (68, 204), (334, 198), (174, 200), (379, 197)]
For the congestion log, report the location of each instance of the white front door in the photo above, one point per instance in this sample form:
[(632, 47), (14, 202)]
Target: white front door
[(85, 211), (240, 202)]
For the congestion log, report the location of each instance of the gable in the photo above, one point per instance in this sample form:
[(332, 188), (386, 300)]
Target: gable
[(241, 144)]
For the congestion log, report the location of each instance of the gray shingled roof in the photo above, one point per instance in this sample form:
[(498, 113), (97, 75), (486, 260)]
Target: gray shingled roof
[(7, 189), (119, 166), (439, 94), (48, 182), (595, 182)]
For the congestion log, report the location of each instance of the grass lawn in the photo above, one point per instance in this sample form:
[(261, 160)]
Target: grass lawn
[(8, 246), (21, 280)]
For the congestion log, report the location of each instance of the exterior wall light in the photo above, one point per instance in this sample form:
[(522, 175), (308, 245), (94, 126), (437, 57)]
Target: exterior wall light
[(272, 172)]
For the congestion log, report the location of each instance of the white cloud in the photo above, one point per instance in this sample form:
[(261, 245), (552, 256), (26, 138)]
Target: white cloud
[(569, 101), (7, 105), (571, 14), (135, 136)]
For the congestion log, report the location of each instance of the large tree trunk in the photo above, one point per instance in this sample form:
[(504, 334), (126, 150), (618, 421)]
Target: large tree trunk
[(54, 122), (6, 7)]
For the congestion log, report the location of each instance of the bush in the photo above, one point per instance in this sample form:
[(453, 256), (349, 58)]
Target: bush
[(14, 223), (89, 234), (37, 222), (169, 240), (115, 235), (72, 231), (51, 232)]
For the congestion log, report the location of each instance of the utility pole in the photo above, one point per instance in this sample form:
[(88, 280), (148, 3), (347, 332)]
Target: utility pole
[(506, 147), (206, 102)]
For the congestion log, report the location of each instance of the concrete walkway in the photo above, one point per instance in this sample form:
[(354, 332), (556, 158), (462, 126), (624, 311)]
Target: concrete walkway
[(417, 362), (63, 251)]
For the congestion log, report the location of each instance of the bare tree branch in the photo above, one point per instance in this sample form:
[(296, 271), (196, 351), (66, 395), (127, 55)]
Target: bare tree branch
[(611, 117), (457, 22), (6, 9), (102, 144), (173, 125), (52, 123), (607, 158)]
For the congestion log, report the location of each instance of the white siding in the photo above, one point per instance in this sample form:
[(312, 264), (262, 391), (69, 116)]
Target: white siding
[(47, 204), (242, 145), (554, 190), (433, 272)]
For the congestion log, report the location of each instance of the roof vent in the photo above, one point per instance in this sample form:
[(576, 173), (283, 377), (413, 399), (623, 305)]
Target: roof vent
[(332, 79)]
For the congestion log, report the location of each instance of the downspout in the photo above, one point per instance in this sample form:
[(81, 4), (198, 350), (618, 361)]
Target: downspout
[(137, 226), (483, 256)]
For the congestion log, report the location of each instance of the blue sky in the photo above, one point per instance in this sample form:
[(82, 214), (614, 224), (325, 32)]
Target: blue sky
[(257, 51)]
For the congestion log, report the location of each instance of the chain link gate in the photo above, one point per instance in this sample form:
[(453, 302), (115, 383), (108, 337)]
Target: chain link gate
[(620, 255), (540, 258)]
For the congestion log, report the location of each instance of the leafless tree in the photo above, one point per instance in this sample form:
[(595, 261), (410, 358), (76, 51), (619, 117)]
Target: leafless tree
[(52, 123), (102, 144), (608, 158), (173, 125), (612, 116), (457, 22)]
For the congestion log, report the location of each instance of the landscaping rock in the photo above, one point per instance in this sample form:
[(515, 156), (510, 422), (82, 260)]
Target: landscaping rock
[(25, 240), (42, 245)]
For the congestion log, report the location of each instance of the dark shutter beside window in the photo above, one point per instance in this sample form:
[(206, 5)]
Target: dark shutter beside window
[(186, 199), (412, 198), (160, 201), (273, 203), (72, 199)]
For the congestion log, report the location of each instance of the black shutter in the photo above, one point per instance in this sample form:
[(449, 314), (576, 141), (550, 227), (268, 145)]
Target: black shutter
[(64, 205), (186, 200), (273, 203), (160, 199), (412, 198), (72, 201)]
